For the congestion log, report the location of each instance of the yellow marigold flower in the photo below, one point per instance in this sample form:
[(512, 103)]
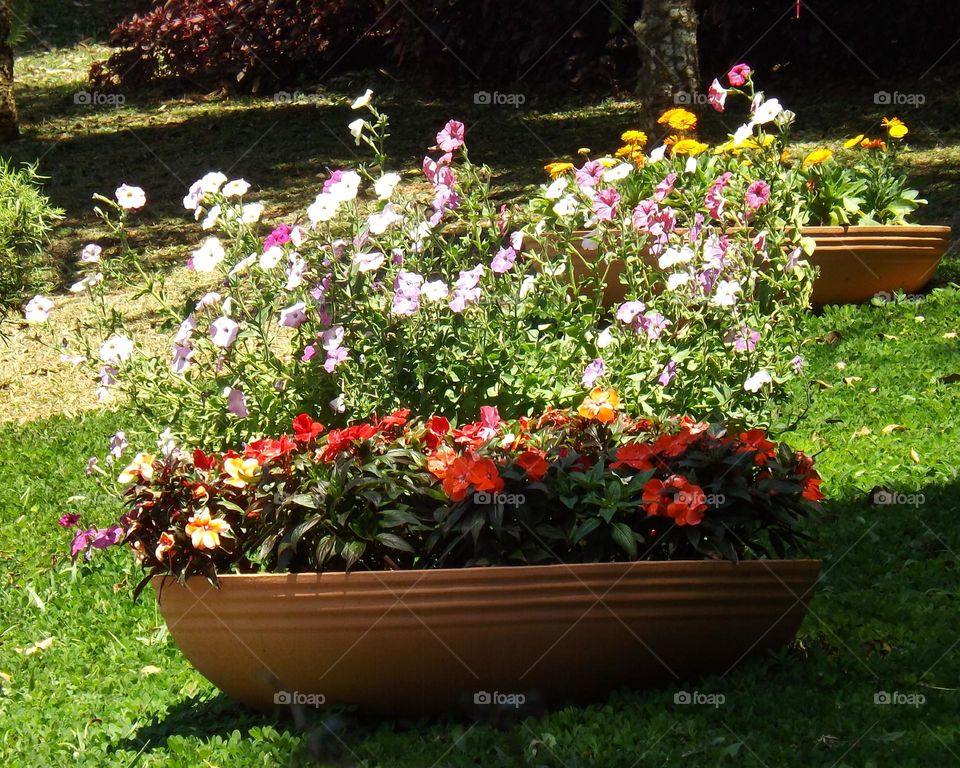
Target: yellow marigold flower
[(851, 143), (874, 144), (690, 147), (205, 531), (557, 169), (785, 156), (607, 162), (141, 467), (817, 157), (625, 151), (896, 128), (679, 119), (634, 137), (600, 405), (583, 151), (241, 472)]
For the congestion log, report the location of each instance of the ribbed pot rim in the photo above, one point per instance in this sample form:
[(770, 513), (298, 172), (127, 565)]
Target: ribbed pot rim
[(883, 229)]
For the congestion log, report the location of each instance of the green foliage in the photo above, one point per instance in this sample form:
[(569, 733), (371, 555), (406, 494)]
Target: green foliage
[(26, 221)]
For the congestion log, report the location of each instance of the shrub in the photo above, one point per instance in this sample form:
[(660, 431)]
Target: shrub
[(586, 486), (26, 220)]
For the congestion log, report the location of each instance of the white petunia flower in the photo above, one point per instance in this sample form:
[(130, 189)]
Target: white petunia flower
[(356, 128), (236, 188), (116, 349), (131, 198), (208, 255), (324, 208), (38, 309), (384, 186), (361, 101), (755, 382)]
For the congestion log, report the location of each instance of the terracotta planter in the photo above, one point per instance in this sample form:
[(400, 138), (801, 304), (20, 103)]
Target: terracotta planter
[(410, 642), (856, 263)]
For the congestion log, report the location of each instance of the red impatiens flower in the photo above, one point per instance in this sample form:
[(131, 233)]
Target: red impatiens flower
[(343, 439), (305, 429), (485, 476), (395, 419), (755, 441), (203, 462), (480, 432), (439, 463), (809, 477), (674, 445), (468, 470), (456, 481), (676, 498), (638, 456), (437, 429), (534, 464), (268, 449)]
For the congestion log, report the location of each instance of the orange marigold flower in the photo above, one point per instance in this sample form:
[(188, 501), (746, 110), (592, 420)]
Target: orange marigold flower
[(679, 119), (874, 144), (600, 405), (557, 169), (817, 157)]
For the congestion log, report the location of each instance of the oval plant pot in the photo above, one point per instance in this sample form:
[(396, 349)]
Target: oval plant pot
[(857, 263), (414, 642)]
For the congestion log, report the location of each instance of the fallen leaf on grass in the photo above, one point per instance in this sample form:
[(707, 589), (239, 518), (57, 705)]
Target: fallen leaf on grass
[(150, 670), (893, 428), (35, 648), (851, 380), (832, 338), (841, 365), (950, 335), (914, 456), (889, 337), (950, 378), (822, 384), (6, 678), (862, 432)]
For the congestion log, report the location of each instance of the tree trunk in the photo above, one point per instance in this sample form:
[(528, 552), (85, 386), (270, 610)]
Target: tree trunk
[(669, 69), (8, 108)]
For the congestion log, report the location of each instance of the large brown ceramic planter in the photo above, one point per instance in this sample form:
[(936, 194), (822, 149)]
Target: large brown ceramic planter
[(409, 642), (856, 263)]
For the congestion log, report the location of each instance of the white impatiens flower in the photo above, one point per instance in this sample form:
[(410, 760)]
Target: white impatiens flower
[(556, 189), (208, 255), (361, 101), (755, 382), (211, 182), (384, 186), (130, 198), (223, 332), (726, 293), (767, 112), (235, 188), (38, 309), (86, 283), (271, 257), (676, 280), (356, 128), (742, 133), (378, 223), (434, 290), (618, 173), (673, 256), (116, 349), (324, 208), (213, 216), (251, 213)]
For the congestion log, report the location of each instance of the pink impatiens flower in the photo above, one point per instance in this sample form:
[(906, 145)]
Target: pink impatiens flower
[(757, 195), (605, 204), (738, 75), (450, 137)]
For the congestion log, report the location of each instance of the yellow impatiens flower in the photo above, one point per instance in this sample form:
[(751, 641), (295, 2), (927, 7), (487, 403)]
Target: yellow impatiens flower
[(690, 147), (817, 157), (638, 138), (241, 472), (854, 142), (896, 128), (679, 119), (600, 405), (205, 531), (557, 169), (141, 467)]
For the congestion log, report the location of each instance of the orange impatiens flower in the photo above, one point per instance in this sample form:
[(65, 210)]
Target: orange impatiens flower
[(679, 119), (600, 405), (557, 169), (438, 464), (141, 467), (164, 545), (456, 480), (205, 531)]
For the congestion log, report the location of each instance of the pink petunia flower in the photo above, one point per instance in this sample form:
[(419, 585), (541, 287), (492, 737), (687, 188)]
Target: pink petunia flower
[(717, 96), (757, 195), (605, 204), (503, 261), (450, 137), (738, 75)]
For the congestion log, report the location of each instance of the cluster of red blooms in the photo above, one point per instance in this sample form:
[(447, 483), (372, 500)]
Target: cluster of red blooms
[(473, 456)]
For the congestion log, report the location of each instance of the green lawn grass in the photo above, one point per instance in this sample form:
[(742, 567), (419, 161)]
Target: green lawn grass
[(113, 690)]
